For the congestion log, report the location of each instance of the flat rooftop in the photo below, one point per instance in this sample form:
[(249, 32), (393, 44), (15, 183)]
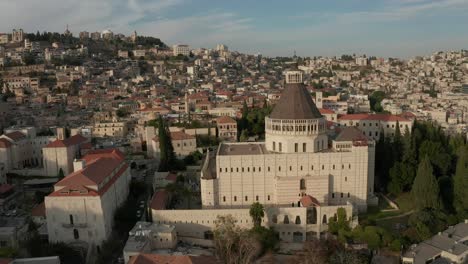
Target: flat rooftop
[(242, 149)]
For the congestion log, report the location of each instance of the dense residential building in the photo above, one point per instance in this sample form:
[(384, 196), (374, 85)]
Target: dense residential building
[(81, 207), (183, 144), (20, 147), (17, 35), (181, 49), (146, 237), (373, 124), (110, 129), (60, 154), (227, 128), (448, 246)]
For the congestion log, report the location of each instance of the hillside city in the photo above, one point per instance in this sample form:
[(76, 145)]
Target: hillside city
[(126, 149)]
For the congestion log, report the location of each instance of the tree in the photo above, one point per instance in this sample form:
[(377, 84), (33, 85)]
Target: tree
[(460, 184), (346, 256), (122, 112), (425, 187), (396, 183), (234, 245), (314, 252), (257, 213), (167, 156), (244, 135), (338, 223), (61, 175)]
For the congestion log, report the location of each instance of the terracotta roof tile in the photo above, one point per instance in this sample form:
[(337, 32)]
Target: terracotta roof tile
[(15, 136), (179, 135), (71, 141), (326, 111), (225, 120), (6, 188), (4, 143), (379, 117), (39, 210), (159, 200), (308, 200), (99, 164)]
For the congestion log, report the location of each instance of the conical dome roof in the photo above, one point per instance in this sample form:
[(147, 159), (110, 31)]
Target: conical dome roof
[(295, 103)]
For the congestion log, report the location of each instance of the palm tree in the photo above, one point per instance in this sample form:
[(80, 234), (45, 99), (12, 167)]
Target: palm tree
[(257, 213)]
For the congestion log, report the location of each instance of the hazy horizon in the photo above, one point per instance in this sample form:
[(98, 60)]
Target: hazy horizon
[(394, 28)]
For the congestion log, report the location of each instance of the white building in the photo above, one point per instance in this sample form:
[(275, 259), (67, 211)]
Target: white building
[(183, 144), (146, 237), (21, 148), (372, 125), (181, 49), (449, 246), (300, 175), (81, 208), (60, 154)]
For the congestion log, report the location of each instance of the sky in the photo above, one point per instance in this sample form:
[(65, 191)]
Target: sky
[(391, 28)]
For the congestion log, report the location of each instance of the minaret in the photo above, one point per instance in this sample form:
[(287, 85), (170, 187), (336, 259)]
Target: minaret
[(134, 36)]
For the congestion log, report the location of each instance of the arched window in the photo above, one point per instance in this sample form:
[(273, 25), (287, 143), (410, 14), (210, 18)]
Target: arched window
[(324, 220), (312, 215), (71, 219), (298, 220), (76, 235), (235, 198), (286, 220), (274, 218)]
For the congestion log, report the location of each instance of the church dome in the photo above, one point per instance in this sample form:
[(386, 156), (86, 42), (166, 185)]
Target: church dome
[(295, 124), (295, 103)]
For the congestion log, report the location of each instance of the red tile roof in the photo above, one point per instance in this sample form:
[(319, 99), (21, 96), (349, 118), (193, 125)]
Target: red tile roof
[(16, 135), (87, 146), (171, 177), (225, 120), (6, 260), (99, 153), (39, 210), (380, 117), (179, 135), (326, 111), (159, 200), (308, 200), (171, 259), (99, 165), (4, 143), (71, 141), (6, 188)]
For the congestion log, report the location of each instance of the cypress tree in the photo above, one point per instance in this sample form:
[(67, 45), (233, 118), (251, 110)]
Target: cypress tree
[(460, 184), (397, 143), (409, 159), (425, 187), (167, 155), (61, 175), (163, 162)]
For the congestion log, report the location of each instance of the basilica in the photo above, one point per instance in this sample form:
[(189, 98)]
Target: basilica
[(301, 173)]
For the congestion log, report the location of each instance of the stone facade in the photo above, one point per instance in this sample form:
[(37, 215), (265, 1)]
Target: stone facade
[(299, 174), (81, 208)]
